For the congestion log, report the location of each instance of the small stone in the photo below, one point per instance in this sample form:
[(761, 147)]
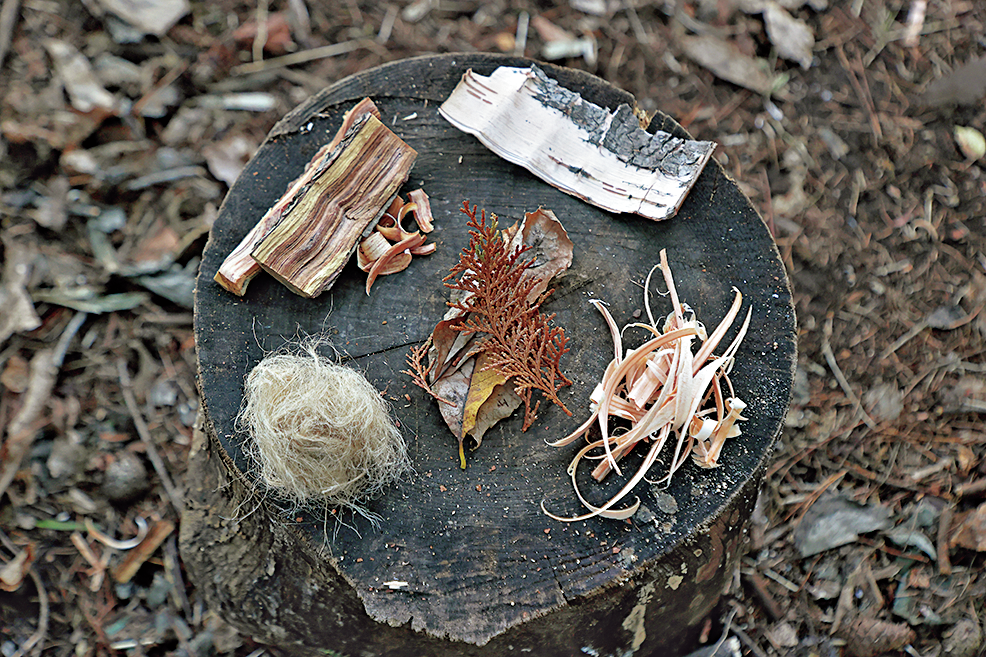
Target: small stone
[(884, 401), (666, 503), (125, 478), (970, 141), (67, 459)]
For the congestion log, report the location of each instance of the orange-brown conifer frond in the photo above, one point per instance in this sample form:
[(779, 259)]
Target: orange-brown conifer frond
[(524, 347)]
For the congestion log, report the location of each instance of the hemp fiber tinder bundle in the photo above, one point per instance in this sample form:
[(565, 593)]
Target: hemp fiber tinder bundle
[(320, 432)]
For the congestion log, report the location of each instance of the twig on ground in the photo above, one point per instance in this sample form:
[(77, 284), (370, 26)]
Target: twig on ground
[(172, 567), (970, 488), (35, 643), (770, 604), (260, 38), (944, 524), (24, 426), (748, 642), (520, 37), (839, 376), (299, 57), (174, 495), (8, 20)]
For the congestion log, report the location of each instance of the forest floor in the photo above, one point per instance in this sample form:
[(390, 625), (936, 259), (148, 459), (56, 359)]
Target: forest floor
[(854, 127)]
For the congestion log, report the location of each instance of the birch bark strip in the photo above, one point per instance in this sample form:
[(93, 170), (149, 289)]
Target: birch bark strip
[(602, 157)]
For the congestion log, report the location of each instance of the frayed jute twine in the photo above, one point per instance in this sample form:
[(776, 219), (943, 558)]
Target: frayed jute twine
[(320, 432)]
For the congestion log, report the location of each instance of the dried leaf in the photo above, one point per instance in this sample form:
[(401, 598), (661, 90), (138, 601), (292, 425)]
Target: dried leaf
[(277, 30), (867, 637), (150, 16), (19, 314), (84, 89), (499, 405), (970, 530), (726, 61), (227, 158), (549, 249), (484, 381), (836, 520), (792, 37), (494, 347), (904, 537)]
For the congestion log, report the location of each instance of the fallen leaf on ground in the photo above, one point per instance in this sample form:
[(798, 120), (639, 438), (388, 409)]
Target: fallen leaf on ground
[(792, 37), (970, 530), (227, 158), (278, 32), (150, 17), (966, 85), (18, 309), (84, 89), (836, 520), (727, 62), (867, 637)]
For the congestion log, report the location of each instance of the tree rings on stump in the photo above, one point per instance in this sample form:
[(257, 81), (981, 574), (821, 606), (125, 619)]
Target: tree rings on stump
[(464, 561)]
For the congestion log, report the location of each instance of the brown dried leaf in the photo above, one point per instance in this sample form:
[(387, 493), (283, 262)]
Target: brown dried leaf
[(227, 158), (867, 637), (548, 246), (484, 357), (970, 530)]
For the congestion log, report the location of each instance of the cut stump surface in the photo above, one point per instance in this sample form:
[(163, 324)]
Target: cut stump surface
[(475, 567)]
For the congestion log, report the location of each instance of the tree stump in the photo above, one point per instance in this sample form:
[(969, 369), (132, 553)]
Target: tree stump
[(486, 572)]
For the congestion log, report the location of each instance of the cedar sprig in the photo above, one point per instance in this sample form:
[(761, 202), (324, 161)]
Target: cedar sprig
[(419, 372), (522, 344)]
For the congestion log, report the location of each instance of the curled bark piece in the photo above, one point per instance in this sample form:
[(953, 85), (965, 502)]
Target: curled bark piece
[(422, 210), (604, 158), (386, 262)]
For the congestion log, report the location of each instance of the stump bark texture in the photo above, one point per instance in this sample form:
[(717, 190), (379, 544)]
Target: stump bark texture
[(474, 566)]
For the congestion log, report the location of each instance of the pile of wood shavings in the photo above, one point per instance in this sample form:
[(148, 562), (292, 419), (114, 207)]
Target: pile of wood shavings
[(661, 388)]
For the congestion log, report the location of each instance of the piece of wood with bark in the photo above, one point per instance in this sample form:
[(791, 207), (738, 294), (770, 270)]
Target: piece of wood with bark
[(486, 572), (239, 267)]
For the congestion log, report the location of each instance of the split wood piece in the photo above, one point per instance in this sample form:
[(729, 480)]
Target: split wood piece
[(319, 232), (239, 267), (583, 149)]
